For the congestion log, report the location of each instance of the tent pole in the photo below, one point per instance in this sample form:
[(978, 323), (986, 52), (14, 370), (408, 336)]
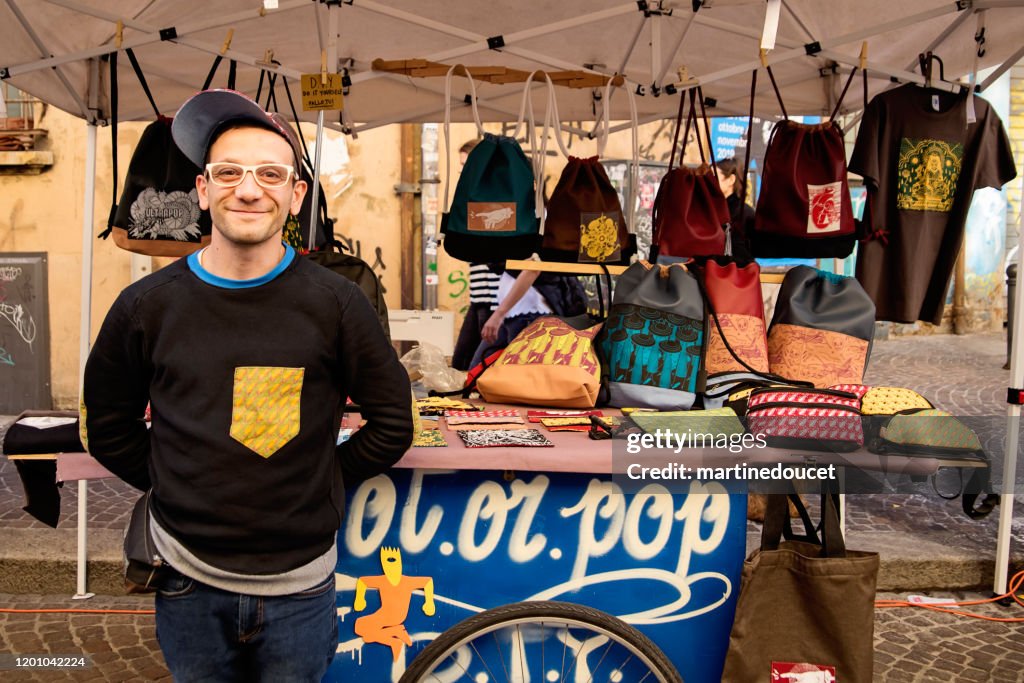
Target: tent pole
[(153, 36), (1012, 435), (672, 53), (85, 332), (1003, 68)]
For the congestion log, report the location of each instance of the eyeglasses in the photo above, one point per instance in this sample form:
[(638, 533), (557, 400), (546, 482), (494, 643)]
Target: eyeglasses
[(269, 176)]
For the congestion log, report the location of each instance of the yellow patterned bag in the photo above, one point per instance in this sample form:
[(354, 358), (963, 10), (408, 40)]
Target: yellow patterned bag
[(550, 363)]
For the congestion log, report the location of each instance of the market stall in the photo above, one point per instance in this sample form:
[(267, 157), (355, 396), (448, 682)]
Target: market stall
[(813, 51)]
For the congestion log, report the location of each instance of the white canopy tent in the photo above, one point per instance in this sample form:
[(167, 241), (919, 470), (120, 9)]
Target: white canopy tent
[(52, 49)]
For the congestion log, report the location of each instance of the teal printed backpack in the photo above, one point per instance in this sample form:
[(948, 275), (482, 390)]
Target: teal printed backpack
[(652, 346), (494, 214)]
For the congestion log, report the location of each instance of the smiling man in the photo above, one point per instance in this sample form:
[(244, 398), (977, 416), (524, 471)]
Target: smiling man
[(246, 355)]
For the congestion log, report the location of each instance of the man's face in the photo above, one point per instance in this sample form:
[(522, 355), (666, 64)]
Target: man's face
[(249, 214)]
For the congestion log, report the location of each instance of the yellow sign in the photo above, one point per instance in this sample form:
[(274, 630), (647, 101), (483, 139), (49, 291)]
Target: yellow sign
[(316, 95)]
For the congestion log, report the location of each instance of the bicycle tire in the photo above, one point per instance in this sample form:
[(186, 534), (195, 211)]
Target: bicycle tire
[(438, 651)]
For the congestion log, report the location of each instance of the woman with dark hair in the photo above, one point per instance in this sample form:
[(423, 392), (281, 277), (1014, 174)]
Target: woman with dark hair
[(741, 214)]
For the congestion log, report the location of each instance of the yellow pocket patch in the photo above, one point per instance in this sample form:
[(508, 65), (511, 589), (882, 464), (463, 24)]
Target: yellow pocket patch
[(265, 407)]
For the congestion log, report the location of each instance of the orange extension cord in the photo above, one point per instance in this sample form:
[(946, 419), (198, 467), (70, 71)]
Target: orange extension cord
[(76, 611), (1015, 584)]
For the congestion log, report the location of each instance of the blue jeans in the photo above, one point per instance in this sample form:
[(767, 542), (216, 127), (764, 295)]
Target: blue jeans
[(207, 634)]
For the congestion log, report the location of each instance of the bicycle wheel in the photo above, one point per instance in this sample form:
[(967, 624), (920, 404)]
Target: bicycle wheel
[(541, 642)]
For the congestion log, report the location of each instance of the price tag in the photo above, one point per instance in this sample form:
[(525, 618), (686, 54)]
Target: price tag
[(317, 95)]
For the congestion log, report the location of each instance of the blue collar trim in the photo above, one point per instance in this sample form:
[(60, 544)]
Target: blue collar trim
[(226, 283)]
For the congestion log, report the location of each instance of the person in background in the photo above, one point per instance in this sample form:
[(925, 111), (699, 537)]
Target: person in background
[(247, 354), (741, 214)]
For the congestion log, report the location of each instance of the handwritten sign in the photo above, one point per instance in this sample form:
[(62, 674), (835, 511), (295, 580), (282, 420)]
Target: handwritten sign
[(318, 95)]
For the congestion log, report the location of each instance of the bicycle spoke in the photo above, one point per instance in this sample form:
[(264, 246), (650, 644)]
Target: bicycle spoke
[(501, 657), (522, 650), (600, 661), (484, 662)]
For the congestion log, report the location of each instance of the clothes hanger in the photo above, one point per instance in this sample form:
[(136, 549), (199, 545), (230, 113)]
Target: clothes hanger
[(926, 60)]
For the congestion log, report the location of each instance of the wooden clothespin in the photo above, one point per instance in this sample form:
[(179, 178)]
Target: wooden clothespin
[(119, 34), (685, 78), (323, 67), (764, 57), (227, 41), (863, 55)]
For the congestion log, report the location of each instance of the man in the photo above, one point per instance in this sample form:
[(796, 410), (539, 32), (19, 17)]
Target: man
[(246, 355)]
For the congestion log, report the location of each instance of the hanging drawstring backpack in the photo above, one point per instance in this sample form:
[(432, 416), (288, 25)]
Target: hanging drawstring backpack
[(495, 213), (585, 221), (158, 213), (804, 208), (691, 215)]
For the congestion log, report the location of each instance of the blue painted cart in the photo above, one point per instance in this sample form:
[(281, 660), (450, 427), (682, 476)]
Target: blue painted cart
[(494, 526)]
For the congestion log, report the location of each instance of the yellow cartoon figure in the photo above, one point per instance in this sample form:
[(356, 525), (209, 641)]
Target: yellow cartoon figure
[(599, 238), (386, 625)]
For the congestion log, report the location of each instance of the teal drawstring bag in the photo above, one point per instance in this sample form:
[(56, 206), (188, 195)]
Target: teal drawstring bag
[(493, 215)]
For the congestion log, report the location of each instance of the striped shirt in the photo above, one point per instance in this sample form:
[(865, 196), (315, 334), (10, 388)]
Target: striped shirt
[(483, 285)]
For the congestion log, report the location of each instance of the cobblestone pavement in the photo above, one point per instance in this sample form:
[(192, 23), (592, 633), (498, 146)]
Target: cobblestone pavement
[(119, 647), (911, 645)]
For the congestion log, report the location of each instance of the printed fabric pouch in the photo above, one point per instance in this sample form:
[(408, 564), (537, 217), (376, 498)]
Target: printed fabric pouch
[(158, 213), (806, 605), (804, 208), (144, 570), (806, 419), (822, 328), (652, 346), (690, 215), (494, 214), (585, 222), (694, 424), (937, 434), (877, 404), (550, 363)]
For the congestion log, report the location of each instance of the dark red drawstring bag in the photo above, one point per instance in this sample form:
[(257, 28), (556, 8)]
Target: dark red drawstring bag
[(734, 294), (584, 222), (804, 208), (691, 216)]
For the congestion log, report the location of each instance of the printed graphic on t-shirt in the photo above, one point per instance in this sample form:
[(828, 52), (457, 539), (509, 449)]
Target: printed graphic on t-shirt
[(265, 407), (823, 205), (491, 216), (928, 171)]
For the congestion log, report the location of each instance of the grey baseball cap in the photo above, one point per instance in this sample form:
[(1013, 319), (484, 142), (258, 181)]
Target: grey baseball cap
[(205, 112)]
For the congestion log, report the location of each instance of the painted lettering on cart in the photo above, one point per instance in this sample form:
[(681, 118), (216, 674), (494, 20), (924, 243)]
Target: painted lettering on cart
[(494, 519)]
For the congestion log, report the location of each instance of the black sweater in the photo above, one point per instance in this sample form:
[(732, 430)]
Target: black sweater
[(247, 387)]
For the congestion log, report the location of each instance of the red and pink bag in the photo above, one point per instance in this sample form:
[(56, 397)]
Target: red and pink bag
[(806, 419)]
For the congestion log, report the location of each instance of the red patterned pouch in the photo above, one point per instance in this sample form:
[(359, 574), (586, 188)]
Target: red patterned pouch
[(806, 419)]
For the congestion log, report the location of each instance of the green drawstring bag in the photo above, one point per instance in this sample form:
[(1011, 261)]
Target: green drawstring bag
[(494, 213)]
